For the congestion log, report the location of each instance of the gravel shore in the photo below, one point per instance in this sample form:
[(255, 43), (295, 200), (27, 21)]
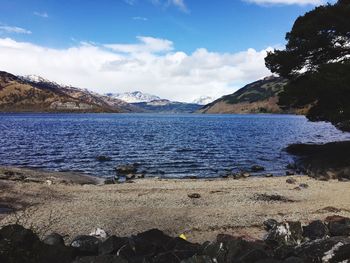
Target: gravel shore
[(235, 207)]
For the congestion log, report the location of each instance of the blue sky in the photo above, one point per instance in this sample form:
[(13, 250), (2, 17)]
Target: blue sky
[(190, 31)]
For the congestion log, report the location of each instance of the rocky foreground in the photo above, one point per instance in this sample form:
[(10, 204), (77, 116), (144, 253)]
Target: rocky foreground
[(286, 242), (229, 212)]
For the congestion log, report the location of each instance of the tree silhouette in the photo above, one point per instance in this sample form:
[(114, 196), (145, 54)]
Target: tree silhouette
[(316, 62)]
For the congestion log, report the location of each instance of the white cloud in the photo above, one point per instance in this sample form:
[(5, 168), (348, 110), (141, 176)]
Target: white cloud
[(173, 74), (147, 44), (43, 14), (288, 2), (14, 29)]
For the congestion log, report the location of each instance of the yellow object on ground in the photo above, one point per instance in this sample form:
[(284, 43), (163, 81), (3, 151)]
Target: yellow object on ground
[(183, 237)]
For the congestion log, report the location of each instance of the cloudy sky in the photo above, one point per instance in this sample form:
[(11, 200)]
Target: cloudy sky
[(176, 49)]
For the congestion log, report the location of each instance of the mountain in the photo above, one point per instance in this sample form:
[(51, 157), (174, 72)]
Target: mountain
[(258, 97), (203, 100), (134, 97), (35, 94), (167, 106), (154, 104)]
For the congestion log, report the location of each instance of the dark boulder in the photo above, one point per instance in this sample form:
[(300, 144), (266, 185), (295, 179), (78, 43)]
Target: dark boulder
[(315, 230), (54, 239), (111, 245), (270, 224), (86, 245), (294, 260), (54, 253), (253, 255), (288, 233), (101, 259), (339, 226), (215, 250), (334, 249), (18, 236), (199, 259)]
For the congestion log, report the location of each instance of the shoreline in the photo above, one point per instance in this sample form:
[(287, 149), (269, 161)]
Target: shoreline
[(222, 206)]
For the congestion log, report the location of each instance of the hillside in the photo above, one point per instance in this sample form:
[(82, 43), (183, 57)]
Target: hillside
[(166, 106), (154, 104), (258, 97), (28, 94)]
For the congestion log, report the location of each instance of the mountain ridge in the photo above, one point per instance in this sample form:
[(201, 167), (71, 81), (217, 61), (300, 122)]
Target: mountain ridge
[(24, 94), (261, 96)]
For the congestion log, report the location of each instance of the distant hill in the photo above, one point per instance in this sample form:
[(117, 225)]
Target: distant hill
[(167, 106), (258, 97), (35, 94), (154, 104)]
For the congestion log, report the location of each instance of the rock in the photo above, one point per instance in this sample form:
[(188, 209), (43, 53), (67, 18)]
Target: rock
[(272, 198), (110, 180), (194, 195), (139, 175), (53, 254), (288, 233), (257, 168), (245, 175), (268, 175), (294, 260), (101, 259), (339, 227), (54, 239), (103, 158), (291, 181), (214, 250), (334, 249), (111, 245), (86, 245), (288, 173), (129, 176), (253, 256), (270, 224), (48, 182), (304, 186), (18, 236), (126, 169), (99, 233), (198, 259), (315, 230)]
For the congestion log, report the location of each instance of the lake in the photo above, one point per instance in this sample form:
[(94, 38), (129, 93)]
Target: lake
[(163, 145)]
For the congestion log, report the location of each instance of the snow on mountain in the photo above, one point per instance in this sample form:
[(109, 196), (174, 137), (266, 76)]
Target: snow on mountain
[(39, 79), (203, 100), (134, 97)]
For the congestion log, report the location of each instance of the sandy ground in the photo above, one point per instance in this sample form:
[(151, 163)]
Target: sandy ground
[(226, 205)]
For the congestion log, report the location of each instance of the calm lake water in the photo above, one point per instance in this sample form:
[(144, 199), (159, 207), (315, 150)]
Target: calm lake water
[(163, 145)]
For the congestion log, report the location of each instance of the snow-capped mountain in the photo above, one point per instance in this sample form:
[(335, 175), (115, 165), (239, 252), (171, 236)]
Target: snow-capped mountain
[(134, 97), (203, 100), (38, 79)]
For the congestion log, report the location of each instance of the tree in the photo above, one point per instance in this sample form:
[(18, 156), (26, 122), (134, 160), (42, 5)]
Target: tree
[(316, 62)]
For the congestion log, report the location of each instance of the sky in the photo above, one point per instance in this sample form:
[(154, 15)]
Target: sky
[(176, 49)]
